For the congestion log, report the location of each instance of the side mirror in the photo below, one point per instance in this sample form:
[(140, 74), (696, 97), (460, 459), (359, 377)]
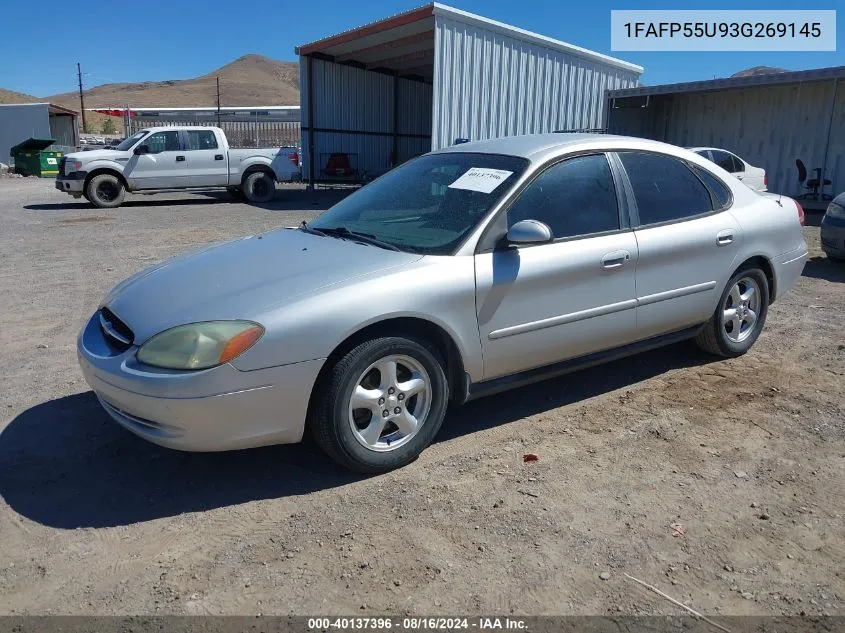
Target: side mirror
[(141, 149), (529, 232)]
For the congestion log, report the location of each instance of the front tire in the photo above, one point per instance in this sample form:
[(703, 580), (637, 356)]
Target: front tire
[(105, 191), (259, 187), (381, 405), (739, 318)]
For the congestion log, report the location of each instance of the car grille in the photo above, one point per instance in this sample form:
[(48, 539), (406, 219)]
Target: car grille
[(117, 333)]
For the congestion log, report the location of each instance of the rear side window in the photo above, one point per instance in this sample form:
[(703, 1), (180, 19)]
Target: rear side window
[(720, 191), (664, 187), (201, 139), (574, 197), (725, 160)]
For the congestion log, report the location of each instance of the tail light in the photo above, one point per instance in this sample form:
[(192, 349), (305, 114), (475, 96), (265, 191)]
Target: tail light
[(294, 158), (800, 213), (766, 181)]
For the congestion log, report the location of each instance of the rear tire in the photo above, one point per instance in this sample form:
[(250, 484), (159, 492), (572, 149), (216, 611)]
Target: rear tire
[(739, 317), (400, 398), (105, 191), (259, 187)]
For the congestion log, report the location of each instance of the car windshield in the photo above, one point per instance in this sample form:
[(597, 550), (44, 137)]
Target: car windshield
[(129, 142), (427, 205)]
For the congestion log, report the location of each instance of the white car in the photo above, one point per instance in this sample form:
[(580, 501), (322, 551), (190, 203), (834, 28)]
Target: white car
[(754, 177)]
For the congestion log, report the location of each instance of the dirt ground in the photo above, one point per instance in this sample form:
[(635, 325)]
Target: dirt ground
[(747, 456)]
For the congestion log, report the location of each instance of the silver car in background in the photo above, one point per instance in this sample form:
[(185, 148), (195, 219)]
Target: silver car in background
[(461, 273)]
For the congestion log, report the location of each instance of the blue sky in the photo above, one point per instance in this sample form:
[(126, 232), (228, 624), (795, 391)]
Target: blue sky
[(178, 39)]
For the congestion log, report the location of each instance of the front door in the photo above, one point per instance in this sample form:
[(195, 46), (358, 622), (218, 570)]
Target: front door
[(206, 160), (163, 166), (539, 304)]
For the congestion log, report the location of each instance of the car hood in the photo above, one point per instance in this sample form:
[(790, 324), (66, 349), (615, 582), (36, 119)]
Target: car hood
[(242, 279), (96, 154)]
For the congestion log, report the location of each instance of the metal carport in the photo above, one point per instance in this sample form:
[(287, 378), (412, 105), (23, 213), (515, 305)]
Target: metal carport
[(417, 81)]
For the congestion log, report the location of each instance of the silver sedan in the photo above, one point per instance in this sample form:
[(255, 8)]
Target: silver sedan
[(461, 273)]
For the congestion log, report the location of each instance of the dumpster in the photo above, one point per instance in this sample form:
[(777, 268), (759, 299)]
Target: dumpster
[(33, 159)]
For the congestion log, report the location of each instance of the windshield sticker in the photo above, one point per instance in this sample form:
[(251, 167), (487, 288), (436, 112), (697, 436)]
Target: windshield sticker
[(481, 179)]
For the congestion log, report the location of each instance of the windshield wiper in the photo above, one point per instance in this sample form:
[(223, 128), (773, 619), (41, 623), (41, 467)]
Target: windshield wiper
[(368, 238), (308, 229)]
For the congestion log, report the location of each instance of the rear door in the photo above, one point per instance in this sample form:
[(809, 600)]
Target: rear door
[(205, 159), (542, 303), (162, 167), (686, 238)]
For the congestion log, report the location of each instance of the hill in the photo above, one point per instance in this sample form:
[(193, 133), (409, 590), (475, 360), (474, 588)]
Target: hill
[(249, 80), (758, 70), (10, 96)]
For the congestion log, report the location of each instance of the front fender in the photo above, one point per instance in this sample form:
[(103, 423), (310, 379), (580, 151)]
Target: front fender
[(440, 290)]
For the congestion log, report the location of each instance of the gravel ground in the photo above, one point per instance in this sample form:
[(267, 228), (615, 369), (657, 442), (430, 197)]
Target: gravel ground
[(719, 482)]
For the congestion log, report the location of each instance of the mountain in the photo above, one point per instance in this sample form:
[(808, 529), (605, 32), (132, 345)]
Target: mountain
[(759, 70), (249, 80), (10, 96)]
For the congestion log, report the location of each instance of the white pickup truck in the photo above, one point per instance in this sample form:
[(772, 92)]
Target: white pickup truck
[(175, 159)]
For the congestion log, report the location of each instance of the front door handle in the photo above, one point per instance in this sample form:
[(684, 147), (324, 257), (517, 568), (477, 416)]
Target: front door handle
[(218, 157), (180, 159), (723, 238), (616, 259)]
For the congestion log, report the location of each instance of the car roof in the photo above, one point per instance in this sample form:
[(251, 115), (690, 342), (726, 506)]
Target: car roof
[(178, 127), (538, 146), (699, 149)]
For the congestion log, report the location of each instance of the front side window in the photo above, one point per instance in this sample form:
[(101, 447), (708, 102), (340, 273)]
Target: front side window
[(201, 139), (163, 142), (574, 197), (664, 187), (427, 205)]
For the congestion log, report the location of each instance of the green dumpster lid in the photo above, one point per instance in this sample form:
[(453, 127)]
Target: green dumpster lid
[(32, 145)]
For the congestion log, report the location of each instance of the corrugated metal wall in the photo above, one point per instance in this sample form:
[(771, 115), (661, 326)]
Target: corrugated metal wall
[(768, 126), (20, 122), (62, 129), (488, 84), (353, 114)]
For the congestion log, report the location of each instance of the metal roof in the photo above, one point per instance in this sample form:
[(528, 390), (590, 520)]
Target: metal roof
[(54, 109), (728, 83), (405, 42)]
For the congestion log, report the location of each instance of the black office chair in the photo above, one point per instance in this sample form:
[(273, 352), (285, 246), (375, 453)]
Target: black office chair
[(812, 183)]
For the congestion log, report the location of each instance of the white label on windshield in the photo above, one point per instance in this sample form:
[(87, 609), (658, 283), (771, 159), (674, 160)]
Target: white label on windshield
[(481, 179)]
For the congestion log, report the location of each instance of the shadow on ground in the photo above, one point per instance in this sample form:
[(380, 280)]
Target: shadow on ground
[(824, 268), (65, 464), (284, 200)]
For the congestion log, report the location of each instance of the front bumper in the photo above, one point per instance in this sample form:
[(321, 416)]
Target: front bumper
[(832, 233), (72, 183), (216, 409)]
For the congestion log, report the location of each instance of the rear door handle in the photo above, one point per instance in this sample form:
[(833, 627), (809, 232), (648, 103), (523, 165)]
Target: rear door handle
[(180, 159), (723, 238), (616, 259), (218, 157)]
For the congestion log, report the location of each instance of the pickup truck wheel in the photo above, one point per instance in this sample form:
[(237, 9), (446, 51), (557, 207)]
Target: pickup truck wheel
[(105, 191), (259, 187)]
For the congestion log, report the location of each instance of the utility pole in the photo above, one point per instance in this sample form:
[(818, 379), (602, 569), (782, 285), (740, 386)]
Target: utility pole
[(218, 102), (81, 98)]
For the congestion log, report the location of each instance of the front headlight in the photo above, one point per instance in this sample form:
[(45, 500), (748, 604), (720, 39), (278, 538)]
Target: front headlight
[(200, 345), (835, 211)]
